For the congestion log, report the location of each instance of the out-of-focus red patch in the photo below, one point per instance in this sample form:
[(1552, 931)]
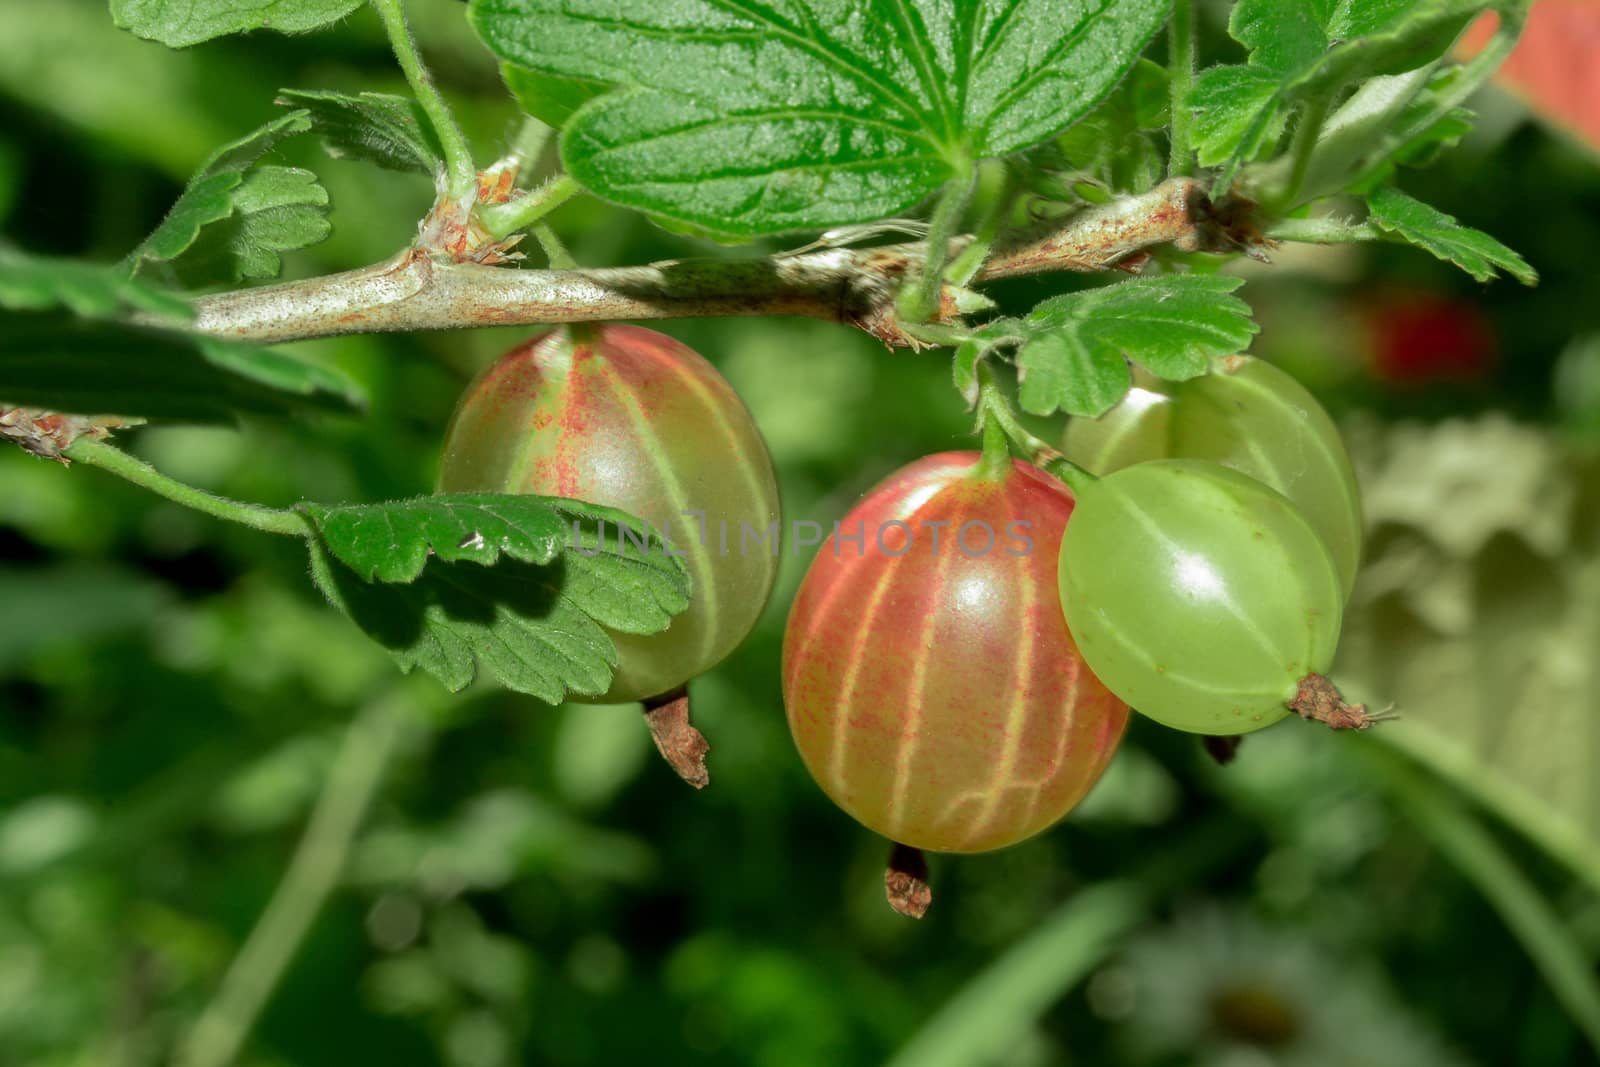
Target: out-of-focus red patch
[(1421, 338), (1555, 67)]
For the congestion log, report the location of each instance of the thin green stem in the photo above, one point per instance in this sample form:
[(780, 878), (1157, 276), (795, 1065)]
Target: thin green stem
[(934, 333), (555, 252), (1483, 862), (995, 409), (318, 863), (996, 460), (1306, 135), (1180, 79), (533, 136), (996, 193), (1324, 231), (461, 173), (502, 220), (919, 300), (110, 458)]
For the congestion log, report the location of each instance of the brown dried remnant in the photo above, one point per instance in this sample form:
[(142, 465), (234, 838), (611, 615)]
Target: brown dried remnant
[(905, 881), (48, 435), (679, 743), (1320, 700), (1221, 749), (452, 231)]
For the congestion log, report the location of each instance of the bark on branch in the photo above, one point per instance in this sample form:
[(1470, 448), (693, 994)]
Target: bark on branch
[(853, 286)]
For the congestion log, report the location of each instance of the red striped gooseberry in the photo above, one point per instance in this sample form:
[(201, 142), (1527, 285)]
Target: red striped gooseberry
[(931, 684), (633, 419)]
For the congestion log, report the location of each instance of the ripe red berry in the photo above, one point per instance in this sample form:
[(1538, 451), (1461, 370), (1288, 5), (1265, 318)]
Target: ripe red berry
[(931, 684)]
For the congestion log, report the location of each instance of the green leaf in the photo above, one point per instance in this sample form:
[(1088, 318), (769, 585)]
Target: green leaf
[(1237, 113), (1362, 131), (1432, 230), (390, 131), (1059, 371), (1110, 145), (392, 541), (180, 23), (261, 211), (521, 587), (749, 118), (510, 620), (88, 290), (1303, 49), (1074, 356), (549, 99), (996, 333), (68, 347), (619, 586)]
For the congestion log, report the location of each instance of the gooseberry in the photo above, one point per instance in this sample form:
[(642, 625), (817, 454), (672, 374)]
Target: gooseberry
[(1246, 414), (633, 419), (1199, 595), (931, 684)]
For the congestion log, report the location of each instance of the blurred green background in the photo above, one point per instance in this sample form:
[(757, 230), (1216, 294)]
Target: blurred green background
[(532, 885)]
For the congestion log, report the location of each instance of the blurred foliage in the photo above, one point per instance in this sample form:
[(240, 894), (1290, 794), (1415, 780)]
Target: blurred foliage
[(534, 886)]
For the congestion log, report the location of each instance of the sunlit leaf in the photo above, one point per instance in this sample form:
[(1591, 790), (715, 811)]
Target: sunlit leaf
[(1075, 354), (748, 118), (561, 570)]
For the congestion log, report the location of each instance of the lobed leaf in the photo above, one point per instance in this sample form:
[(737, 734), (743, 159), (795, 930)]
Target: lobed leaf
[(263, 210), (180, 23), (620, 586), (375, 127), (1432, 230), (1304, 49), (1076, 347), (523, 587), (392, 541), (749, 117), (510, 620)]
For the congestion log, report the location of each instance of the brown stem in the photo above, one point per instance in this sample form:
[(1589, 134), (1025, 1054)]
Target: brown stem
[(679, 743), (415, 291), (1176, 212), (905, 881), (1320, 700)]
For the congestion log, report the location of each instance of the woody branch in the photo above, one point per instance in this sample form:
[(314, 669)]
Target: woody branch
[(415, 291)]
